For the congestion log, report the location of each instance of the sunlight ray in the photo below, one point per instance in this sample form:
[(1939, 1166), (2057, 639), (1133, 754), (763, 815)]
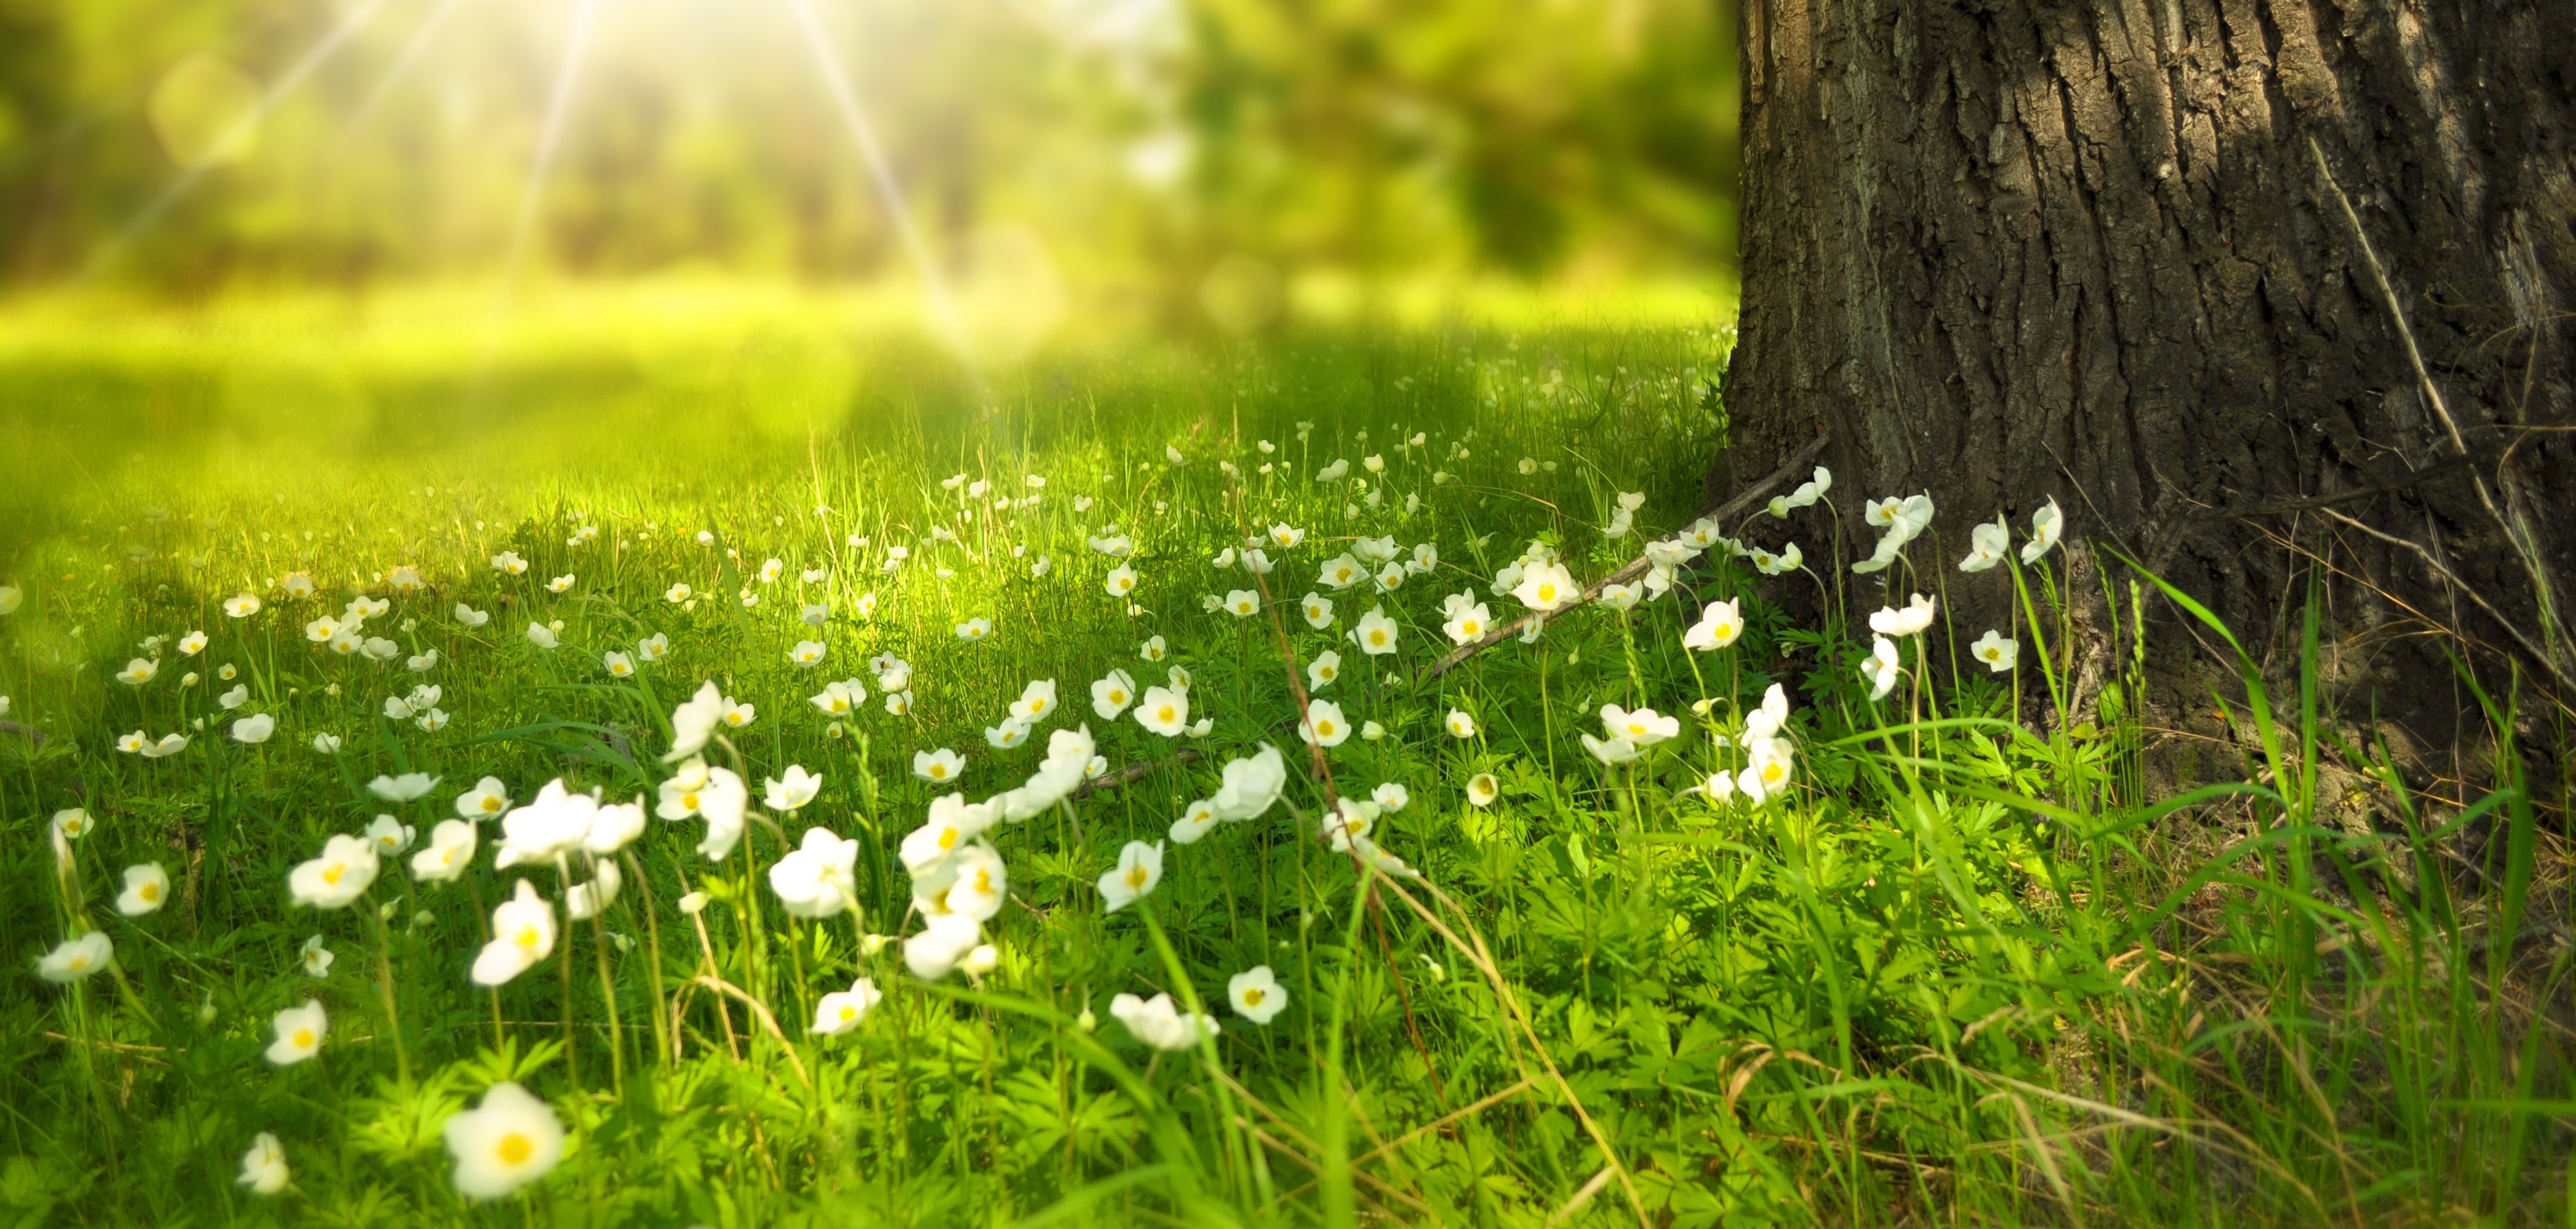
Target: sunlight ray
[(195, 171), (845, 99), (567, 74), (401, 67)]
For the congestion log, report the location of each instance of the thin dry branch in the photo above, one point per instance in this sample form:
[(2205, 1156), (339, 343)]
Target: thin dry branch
[(1740, 503)]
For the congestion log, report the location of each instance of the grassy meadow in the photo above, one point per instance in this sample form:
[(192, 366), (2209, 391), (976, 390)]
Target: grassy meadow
[(1946, 965)]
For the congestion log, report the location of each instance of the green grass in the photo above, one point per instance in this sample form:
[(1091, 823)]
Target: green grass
[(1966, 970)]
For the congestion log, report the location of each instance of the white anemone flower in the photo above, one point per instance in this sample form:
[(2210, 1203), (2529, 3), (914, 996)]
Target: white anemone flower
[(1720, 624), (241, 605), (1996, 651), (1153, 649), (489, 798), (1121, 580), (138, 672), (807, 654), (1164, 711), (147, 888), (792, 791), (947, 939), (737, 715), (470, 617), (73, 823), (541, 636), (1619, 596), (1111, 696), (1139, 869), (1256, 994), (341, 875), (1391, 796), (694, 721), (449, 852), (1196, 820), (551, 827), (1546, 586), (1250, 785), (2046, 526), (74, 959), (1324, 726), (1242, 603), (1376, 634), (938, 767), (1643, 726), (192, 644), (618, 665), (817, 879), (676, 594), (255, 728), (1483, 789), (1036, 701), (1160, 1025), (1459, 723), (1767, 773), (1011, 733), (1611, 751), (391, 835), (235, 697), (299, 1033), (842, 1010), (1901, 621), (327, 744), (975, 629), (1881, 668), (523, 933), (1468, 623), (834, 700), (654, 647), (1987, 544), (1326, 667), (509, 1141), (316, 959), (170, 744), (263, 1168)]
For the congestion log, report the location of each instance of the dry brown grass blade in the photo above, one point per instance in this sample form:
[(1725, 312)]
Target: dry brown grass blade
[(1581, 1197), (1741, 503), (759, 1012)]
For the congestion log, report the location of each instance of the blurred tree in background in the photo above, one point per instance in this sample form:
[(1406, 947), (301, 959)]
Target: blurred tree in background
[(1167, 152)]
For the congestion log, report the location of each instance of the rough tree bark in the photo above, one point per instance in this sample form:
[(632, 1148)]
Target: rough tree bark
[(2131, 254)]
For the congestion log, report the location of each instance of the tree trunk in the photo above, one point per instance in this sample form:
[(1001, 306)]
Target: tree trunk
[(2175, 264)]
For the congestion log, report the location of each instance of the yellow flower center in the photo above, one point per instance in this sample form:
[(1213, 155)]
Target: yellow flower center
[(1472, 627), (948, 838), (1165, 713), (1547, 593), (689, 800), (848, 1012), (1136, 877), (938, 772), (1324, 728), (303, 1039), (1377, 637), (983, 882), (492, 803), (1770, 772), (1252, 996), (515, 1149), (331, 874), (528, 937), (1116, 696), (149, 891), (80, 964)]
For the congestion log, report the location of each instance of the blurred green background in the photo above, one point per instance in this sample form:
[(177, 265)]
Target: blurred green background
[(1181, 163)]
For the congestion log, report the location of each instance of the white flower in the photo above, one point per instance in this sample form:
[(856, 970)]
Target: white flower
[(327, 744), (1998, 653), (299, 1033), (1140, 868), (1160, 1025), (1987, 544), (1468, 622), (509, 562), (618, 665), (552, 826), (1011, 733), (1111, 696), (255, 728), (1545, 586), (509, 1141), (1483, 789), (817, 879), (523, 933), (1765, 721), (316, 959), (792, 791), (739, 716), (1371, 731), (1164, 711), (1326, 667), (1881, 668), (342, 874), (1341, 572), (1152, 650), (73, 823), (391, 835), (807, 654), (694, 721), (170, 744), (1376, 633), (147, 888), (541, 636), (938, 767), (1256, 994), (449, 852), (1643, 726), (974, 629), (1907, 620), (1460, 724), (1035, 702), (263, 1168), (138, 672), (471, 617), (1719, 625), (654, 647), (616, 826), (1195, 822), (1391, 797), (1324, 725), (561, 583), (1611, 751), (676, 594), (421, 663), (1767, 773), (1121, 580), (2046, 526), (1249, 786), (835, 699), (842, 1010), (945, 940), (814, 614), (74, 959)]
